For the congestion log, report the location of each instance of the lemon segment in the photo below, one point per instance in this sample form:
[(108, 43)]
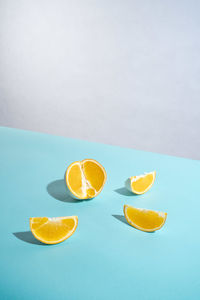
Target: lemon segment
[(140, 184), (144, 219), (53, 230), (85, 179)]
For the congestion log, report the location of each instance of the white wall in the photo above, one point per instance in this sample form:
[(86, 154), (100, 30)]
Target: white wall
[(118, 72)]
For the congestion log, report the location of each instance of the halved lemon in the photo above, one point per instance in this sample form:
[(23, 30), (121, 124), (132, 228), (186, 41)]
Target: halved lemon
[(85, 179), (53, 230), (140, 184), (144, 219)]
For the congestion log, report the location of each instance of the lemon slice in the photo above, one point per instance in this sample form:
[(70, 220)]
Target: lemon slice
[(53, 230), (144, 219), (140, 184), (85, 179)]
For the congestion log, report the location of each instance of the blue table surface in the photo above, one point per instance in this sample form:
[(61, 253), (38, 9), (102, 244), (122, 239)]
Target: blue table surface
[(105, 258)]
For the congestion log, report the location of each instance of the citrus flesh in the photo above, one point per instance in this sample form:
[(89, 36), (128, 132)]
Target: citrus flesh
[(144, 219), (53, 230), (140, 184), (85, 179)]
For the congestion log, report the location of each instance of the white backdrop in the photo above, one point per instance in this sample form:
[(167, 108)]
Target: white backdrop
[(119, 72)]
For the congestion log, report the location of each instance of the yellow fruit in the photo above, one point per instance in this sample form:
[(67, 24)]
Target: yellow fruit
[(53, 230), (85, 179), (140, 184), (144, 219)]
